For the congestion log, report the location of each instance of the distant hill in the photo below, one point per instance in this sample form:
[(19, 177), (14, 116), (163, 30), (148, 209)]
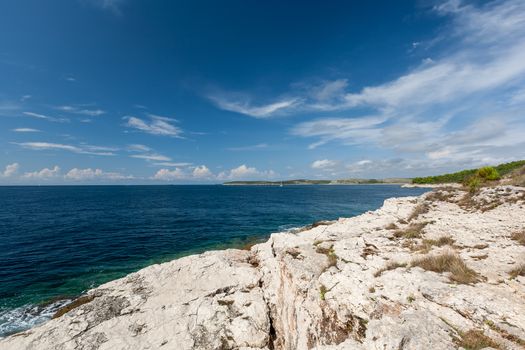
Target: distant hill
[(319, 182), (461, 176)]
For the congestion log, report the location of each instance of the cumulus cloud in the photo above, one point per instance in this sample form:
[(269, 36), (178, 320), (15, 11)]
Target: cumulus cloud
[(94, 174), (43, 174), (244, 172), (10, 170), (156, 125), (202, 171), (169, 175)]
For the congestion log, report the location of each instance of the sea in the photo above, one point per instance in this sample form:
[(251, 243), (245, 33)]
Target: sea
[(57, 242)]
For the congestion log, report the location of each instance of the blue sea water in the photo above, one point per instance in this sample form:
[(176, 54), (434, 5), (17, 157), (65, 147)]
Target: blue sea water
[(56, 242)]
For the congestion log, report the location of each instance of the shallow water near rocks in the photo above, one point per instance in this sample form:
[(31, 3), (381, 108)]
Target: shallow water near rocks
[(56, 242)]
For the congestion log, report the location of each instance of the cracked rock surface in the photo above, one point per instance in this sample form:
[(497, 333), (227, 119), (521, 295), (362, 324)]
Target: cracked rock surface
[(357, 283)]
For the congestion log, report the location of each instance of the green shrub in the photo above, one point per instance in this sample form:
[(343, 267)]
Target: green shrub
[(473, 184), (488, 173)]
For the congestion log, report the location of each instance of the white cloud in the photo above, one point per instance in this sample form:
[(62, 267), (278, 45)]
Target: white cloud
[(173, 164), (244, 172), (46, 117), (463, 107), (329, 89), (10, 170), (43, 174), (258, 146), (147, 153), (347, 130), (156, 126), (202, 171), (25, 130), (478, 76), (170, 175), (82, 149), (324, 164), (244, 106), (139, 148), (152, 156), (94, 174), (81, 111), (364, 162)]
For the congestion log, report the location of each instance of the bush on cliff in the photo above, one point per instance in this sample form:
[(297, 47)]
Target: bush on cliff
[(488, 173)]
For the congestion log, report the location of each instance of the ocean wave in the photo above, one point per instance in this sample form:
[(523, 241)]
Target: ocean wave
[(27, 316), (289, 228)]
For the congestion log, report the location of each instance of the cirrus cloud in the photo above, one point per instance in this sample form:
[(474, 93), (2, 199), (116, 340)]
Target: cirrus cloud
[(156, 125)]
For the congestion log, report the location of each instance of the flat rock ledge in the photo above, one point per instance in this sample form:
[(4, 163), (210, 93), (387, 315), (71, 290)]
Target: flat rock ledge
[(439, 271)]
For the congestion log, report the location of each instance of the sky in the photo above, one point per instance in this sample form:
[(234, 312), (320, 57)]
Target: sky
[(155, 92)]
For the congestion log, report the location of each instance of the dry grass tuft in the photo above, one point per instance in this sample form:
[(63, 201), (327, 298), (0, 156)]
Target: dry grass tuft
[(518, 271), (330, 254), (388, 267), (448, 262), (480, 246), (427, 244), (293, 252), (519, 237), (414, 230), (441, 241), (504, 334), (442, 195), (369, 249), (474, 339), (420, 209), (391, 226)]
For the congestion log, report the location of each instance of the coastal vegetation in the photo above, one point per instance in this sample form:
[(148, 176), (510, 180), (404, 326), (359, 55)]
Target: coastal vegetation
[(519, 237), (472, 176), (448, 262)]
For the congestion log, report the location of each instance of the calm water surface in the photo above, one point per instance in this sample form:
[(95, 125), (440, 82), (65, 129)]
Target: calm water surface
[(56, 242)]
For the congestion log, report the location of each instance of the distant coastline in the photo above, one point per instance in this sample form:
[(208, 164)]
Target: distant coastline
[(392, 181)]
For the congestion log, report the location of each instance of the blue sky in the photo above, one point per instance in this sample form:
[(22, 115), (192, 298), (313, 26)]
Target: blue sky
[(130, 91)]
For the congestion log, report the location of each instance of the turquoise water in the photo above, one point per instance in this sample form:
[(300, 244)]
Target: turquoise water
[(56, 242)]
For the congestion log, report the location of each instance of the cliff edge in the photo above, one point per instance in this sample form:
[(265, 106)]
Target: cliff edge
[(445, 270)]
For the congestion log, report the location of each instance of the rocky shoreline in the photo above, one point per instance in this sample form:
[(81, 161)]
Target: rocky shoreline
[(441, 271)]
